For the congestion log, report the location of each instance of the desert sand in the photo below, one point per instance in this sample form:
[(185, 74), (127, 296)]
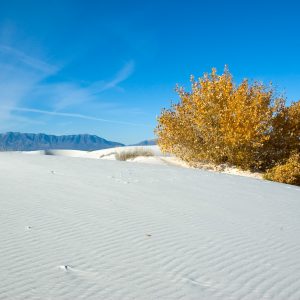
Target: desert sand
[(80, 228)]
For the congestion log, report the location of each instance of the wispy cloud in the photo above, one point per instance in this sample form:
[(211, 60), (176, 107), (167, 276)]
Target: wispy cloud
[(71, 115), (121, 76), (19, 75), (22, 81), (29, 61), (68, 94)]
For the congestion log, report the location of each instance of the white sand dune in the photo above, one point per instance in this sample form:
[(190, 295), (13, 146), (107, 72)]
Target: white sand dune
[(108, 153), (158, 158), (97, 229)]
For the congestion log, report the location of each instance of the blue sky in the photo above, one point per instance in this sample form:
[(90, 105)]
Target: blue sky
[(109, 67)]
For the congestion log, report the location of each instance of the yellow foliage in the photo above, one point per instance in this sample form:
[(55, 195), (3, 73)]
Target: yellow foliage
[(285, 135), (288, 172), (244, 125)]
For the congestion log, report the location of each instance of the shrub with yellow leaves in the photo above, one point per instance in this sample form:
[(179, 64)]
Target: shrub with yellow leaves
[(288, 172), (220, 122), (285, 134)]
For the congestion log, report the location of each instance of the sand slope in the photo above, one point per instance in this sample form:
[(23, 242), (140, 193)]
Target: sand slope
[(158, 158), (137, 231)]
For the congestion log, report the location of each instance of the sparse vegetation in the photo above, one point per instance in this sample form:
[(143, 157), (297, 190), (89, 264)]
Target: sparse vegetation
[(131, 154), (218, 122), (48, 152)]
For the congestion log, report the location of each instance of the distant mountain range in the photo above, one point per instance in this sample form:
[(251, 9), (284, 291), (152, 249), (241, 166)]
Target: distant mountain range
[(147, 143), (16, 141)]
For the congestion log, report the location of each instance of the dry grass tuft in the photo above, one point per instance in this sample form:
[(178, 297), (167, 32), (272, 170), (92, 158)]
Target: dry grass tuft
[(131, 154)]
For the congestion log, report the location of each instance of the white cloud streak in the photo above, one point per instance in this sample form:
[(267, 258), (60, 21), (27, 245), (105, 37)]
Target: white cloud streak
[(66, 94), (29, 61), (71, 115), (121, 76), (21, 77)]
